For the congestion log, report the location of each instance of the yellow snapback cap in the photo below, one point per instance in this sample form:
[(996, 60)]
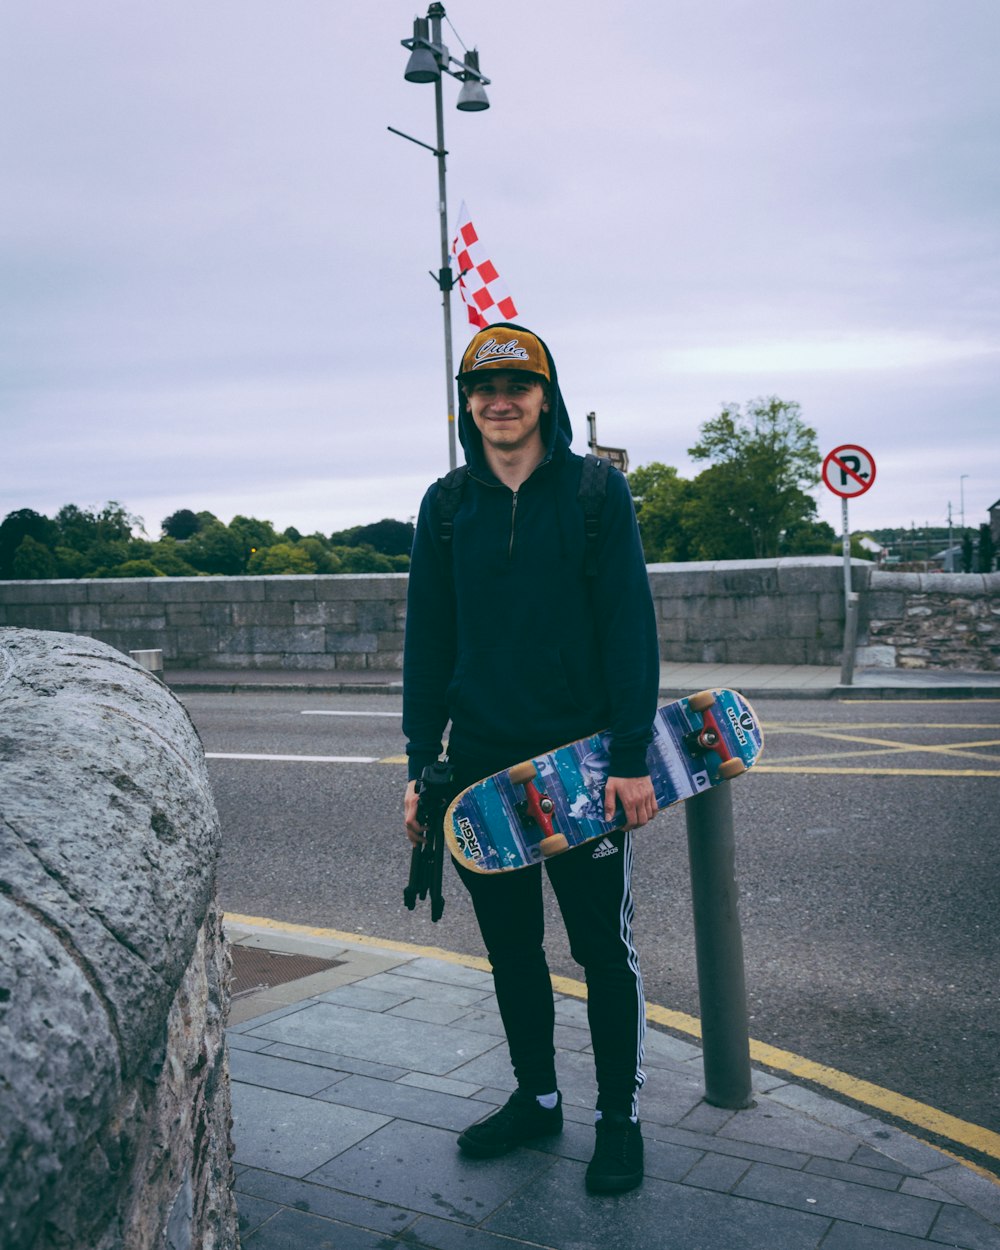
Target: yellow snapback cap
[(499, 347)]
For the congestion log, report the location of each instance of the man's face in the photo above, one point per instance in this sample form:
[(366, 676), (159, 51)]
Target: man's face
[(507, 407)]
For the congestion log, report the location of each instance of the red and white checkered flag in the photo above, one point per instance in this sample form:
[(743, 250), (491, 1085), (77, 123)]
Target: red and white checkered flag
[(485, 296)]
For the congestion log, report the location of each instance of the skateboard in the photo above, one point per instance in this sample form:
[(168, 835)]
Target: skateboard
[(555, 801)]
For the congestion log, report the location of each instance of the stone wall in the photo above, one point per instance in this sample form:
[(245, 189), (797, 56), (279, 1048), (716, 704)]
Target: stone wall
[(114, 1097), (931, 620), (292, 622), (788, 611)]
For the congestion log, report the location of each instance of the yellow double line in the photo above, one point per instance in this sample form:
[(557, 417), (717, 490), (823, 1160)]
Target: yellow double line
[(869, 745)]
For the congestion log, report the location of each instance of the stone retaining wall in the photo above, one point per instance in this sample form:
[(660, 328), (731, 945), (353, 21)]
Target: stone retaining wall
[(788, 611), (931, 620), (114, 1096), (292, 622)]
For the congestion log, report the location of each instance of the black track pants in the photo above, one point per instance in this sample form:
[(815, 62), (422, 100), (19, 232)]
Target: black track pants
[(592, 884)]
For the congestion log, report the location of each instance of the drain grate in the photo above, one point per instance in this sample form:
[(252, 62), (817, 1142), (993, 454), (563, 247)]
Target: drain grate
[(255, 969)]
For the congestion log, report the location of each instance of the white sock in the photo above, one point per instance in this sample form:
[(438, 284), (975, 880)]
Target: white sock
[(548, 1101)]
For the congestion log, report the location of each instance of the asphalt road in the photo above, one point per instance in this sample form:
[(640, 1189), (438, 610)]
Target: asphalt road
[(868, 843)]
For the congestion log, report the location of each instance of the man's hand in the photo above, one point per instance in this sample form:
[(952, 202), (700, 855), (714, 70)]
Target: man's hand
[(636, 797), (415, 830)]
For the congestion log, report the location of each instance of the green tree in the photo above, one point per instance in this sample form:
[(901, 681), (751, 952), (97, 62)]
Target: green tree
[(281, 558), (70, 563), (809, 538), (764, 459), (660, 496), (33, 559), (391, 538), (82, 528), (318, 550), (967, 552), (714, 514), (17, 526), (252, 535), (136, 568), (215, 550), (181, 524), (170, 558), (987, 549), (363, 560)]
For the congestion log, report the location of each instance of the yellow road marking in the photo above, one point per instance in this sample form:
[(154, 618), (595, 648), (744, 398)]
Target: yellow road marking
[(913, 702), (932, 1120), (956, 748), (844, 755), (791, 726), (886, 771)]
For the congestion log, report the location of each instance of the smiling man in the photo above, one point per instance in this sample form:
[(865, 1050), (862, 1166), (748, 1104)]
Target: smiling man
[(525, 633)]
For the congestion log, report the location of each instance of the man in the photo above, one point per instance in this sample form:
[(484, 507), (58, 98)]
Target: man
[(509, 638)]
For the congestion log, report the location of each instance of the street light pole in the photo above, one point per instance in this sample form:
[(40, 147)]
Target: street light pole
[(445, 277), (429, 59)]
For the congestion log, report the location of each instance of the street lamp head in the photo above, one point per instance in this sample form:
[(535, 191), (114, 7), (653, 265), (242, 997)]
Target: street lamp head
[(422, 65), (472, 98)]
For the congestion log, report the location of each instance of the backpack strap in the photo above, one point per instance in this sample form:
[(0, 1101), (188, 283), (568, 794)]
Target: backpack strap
[(448, 501), (593, 488), (590, 495)]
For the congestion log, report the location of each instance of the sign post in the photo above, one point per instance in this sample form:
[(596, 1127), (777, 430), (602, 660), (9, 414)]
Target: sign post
[(617, 455), (848, 471)]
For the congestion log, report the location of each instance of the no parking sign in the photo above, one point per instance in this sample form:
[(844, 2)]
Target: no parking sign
[(849, 471)]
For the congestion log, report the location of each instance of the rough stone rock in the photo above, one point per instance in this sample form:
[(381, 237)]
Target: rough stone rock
[(114, 1104)]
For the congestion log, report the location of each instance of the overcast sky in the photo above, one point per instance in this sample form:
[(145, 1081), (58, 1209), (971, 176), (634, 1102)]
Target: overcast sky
[(215, 286)]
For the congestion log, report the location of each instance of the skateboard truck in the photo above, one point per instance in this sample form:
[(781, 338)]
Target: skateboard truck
[(537, 808), (427, 857), (710, 736)]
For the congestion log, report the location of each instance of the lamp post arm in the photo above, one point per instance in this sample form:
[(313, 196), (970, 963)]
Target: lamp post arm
[(418, 142)]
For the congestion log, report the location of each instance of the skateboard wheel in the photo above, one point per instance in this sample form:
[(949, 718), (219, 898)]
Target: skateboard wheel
[(522, 773), (731, 768), (554, 845), (701, 701)]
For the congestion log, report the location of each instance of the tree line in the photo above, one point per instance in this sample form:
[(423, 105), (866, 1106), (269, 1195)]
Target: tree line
[(751, 501), (81, 542)]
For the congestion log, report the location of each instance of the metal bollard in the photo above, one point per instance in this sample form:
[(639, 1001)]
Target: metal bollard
[(850, 640), (719, 949), (152, 660)]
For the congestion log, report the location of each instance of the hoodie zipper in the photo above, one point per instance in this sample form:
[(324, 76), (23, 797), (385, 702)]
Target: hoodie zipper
[(513, 518)]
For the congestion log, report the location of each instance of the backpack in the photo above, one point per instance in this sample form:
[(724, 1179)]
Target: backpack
[(590, 495)]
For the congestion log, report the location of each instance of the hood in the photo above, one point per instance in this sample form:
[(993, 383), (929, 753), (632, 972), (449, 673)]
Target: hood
[(557, 433)]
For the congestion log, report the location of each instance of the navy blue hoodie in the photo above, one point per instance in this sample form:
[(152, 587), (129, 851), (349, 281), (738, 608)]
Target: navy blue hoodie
[(507, 637)]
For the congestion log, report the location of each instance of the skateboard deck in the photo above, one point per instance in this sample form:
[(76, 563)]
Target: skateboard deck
[(555, 801)]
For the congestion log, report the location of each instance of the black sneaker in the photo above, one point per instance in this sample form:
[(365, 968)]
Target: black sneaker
[(617, 1164), (522, 1119)]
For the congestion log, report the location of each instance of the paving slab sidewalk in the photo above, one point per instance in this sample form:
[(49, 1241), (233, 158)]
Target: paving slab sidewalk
[(676, 679), (351, 1086)]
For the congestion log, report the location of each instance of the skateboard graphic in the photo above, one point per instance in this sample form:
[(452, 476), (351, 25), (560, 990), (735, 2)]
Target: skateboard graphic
[(555, 801)]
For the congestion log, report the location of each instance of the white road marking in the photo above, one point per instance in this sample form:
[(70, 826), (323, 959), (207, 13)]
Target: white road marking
[(295, 759), (326, 712)]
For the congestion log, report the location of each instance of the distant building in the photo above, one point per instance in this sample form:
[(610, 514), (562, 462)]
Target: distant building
[(867, 543), (995, 523), (949, 560)]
